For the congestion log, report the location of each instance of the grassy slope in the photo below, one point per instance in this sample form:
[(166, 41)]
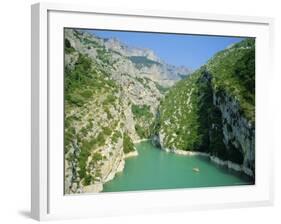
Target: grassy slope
[(233, 70)]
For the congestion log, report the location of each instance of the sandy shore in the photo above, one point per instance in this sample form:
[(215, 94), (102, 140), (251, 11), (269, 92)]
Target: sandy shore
[(141, 140), (131, 154)]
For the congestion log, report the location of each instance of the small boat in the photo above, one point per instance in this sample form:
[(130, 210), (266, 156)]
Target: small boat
[(196, 169)]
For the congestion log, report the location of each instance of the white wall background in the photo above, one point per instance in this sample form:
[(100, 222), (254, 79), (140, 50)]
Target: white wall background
[(15, 110)]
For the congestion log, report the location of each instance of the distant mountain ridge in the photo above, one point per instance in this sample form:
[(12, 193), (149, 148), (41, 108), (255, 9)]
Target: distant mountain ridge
[(145, 61)]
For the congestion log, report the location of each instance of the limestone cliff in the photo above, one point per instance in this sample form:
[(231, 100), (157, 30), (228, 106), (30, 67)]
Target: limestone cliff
[(112, 93)]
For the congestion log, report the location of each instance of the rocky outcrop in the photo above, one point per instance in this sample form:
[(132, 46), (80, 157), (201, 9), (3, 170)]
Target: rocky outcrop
[(238, 132), (111, 90)]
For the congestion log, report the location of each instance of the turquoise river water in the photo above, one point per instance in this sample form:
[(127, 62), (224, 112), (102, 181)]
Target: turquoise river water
[(156, 169)]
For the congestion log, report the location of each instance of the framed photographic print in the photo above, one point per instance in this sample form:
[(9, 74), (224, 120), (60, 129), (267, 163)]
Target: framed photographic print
[(148, 111)]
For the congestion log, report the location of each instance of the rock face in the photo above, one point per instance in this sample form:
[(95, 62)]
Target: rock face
[(212, 110), (238, 132), (112, 94)]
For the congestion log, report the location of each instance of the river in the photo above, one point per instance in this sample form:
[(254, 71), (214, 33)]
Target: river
[(156, 169)]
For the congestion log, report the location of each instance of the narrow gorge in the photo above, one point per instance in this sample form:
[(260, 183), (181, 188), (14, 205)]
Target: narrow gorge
[(116, 96)]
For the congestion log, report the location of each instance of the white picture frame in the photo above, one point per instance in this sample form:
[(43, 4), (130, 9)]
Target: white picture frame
[(47, 198)]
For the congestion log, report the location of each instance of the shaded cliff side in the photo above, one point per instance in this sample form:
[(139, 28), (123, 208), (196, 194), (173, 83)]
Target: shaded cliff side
[(213, 110)]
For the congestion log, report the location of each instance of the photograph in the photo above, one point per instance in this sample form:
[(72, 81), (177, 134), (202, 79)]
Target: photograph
[(154, 111)]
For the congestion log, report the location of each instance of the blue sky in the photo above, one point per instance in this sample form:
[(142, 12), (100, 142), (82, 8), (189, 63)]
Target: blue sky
[(191, 51)]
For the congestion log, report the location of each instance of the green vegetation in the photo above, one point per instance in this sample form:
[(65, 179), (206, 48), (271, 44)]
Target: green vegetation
[(107, 131), (87, 180), (84, 82), (141, 111), (110, 99), (67, 46), (179, 115), (100, 139), (144, 120), (142, 132), (96, 157), (91, 43), (85, 147), (128, 145), (233, 70), (79, 76), (141, 61), (190, 120), (116, 135), (86, 94)]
